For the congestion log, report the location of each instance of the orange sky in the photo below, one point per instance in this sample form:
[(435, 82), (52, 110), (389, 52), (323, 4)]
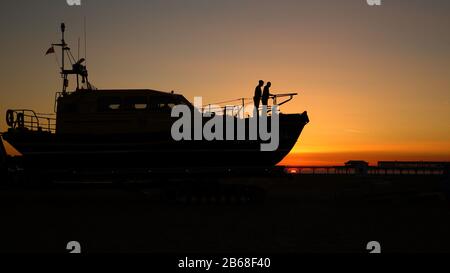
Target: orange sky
[(374, 80)]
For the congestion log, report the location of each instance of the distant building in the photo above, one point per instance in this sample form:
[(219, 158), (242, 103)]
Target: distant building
[(360, 166)]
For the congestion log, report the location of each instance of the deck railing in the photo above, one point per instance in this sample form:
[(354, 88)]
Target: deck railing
[(28, 119), (237, 107)]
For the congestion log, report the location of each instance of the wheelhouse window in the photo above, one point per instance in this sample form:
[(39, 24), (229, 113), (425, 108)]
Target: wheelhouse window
[(140, 106), (114, 106), (109, 104), (162, 104), (136, 103)]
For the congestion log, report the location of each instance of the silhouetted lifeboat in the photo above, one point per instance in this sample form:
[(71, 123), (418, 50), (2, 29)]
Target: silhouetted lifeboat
[(94, 128)]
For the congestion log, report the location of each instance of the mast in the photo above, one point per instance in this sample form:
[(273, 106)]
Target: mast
[(63, 49), (77, 68)]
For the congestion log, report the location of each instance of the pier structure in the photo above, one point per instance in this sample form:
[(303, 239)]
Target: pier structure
[(359, 167)]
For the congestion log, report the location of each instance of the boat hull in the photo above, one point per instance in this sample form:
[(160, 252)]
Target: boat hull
[(114, 151)]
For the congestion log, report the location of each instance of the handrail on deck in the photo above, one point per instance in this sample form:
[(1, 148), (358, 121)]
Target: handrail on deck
[(239, 107), (28, 119)]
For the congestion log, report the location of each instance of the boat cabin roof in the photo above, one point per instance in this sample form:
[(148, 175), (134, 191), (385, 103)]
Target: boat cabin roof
[(152, 95), (117, 99), (124, 92)]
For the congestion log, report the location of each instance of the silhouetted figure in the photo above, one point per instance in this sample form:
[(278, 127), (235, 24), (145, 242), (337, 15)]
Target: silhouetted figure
[(258, 93), (266, 94)]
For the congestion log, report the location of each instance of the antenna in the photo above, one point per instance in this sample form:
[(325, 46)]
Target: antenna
[(85, 41), (63, 50), (63, 43)]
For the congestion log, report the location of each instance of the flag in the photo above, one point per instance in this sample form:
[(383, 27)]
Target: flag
[(50, 51)]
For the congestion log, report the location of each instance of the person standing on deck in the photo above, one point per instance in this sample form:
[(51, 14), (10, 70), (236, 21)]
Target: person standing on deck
[(258, 94), (266, 94)]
